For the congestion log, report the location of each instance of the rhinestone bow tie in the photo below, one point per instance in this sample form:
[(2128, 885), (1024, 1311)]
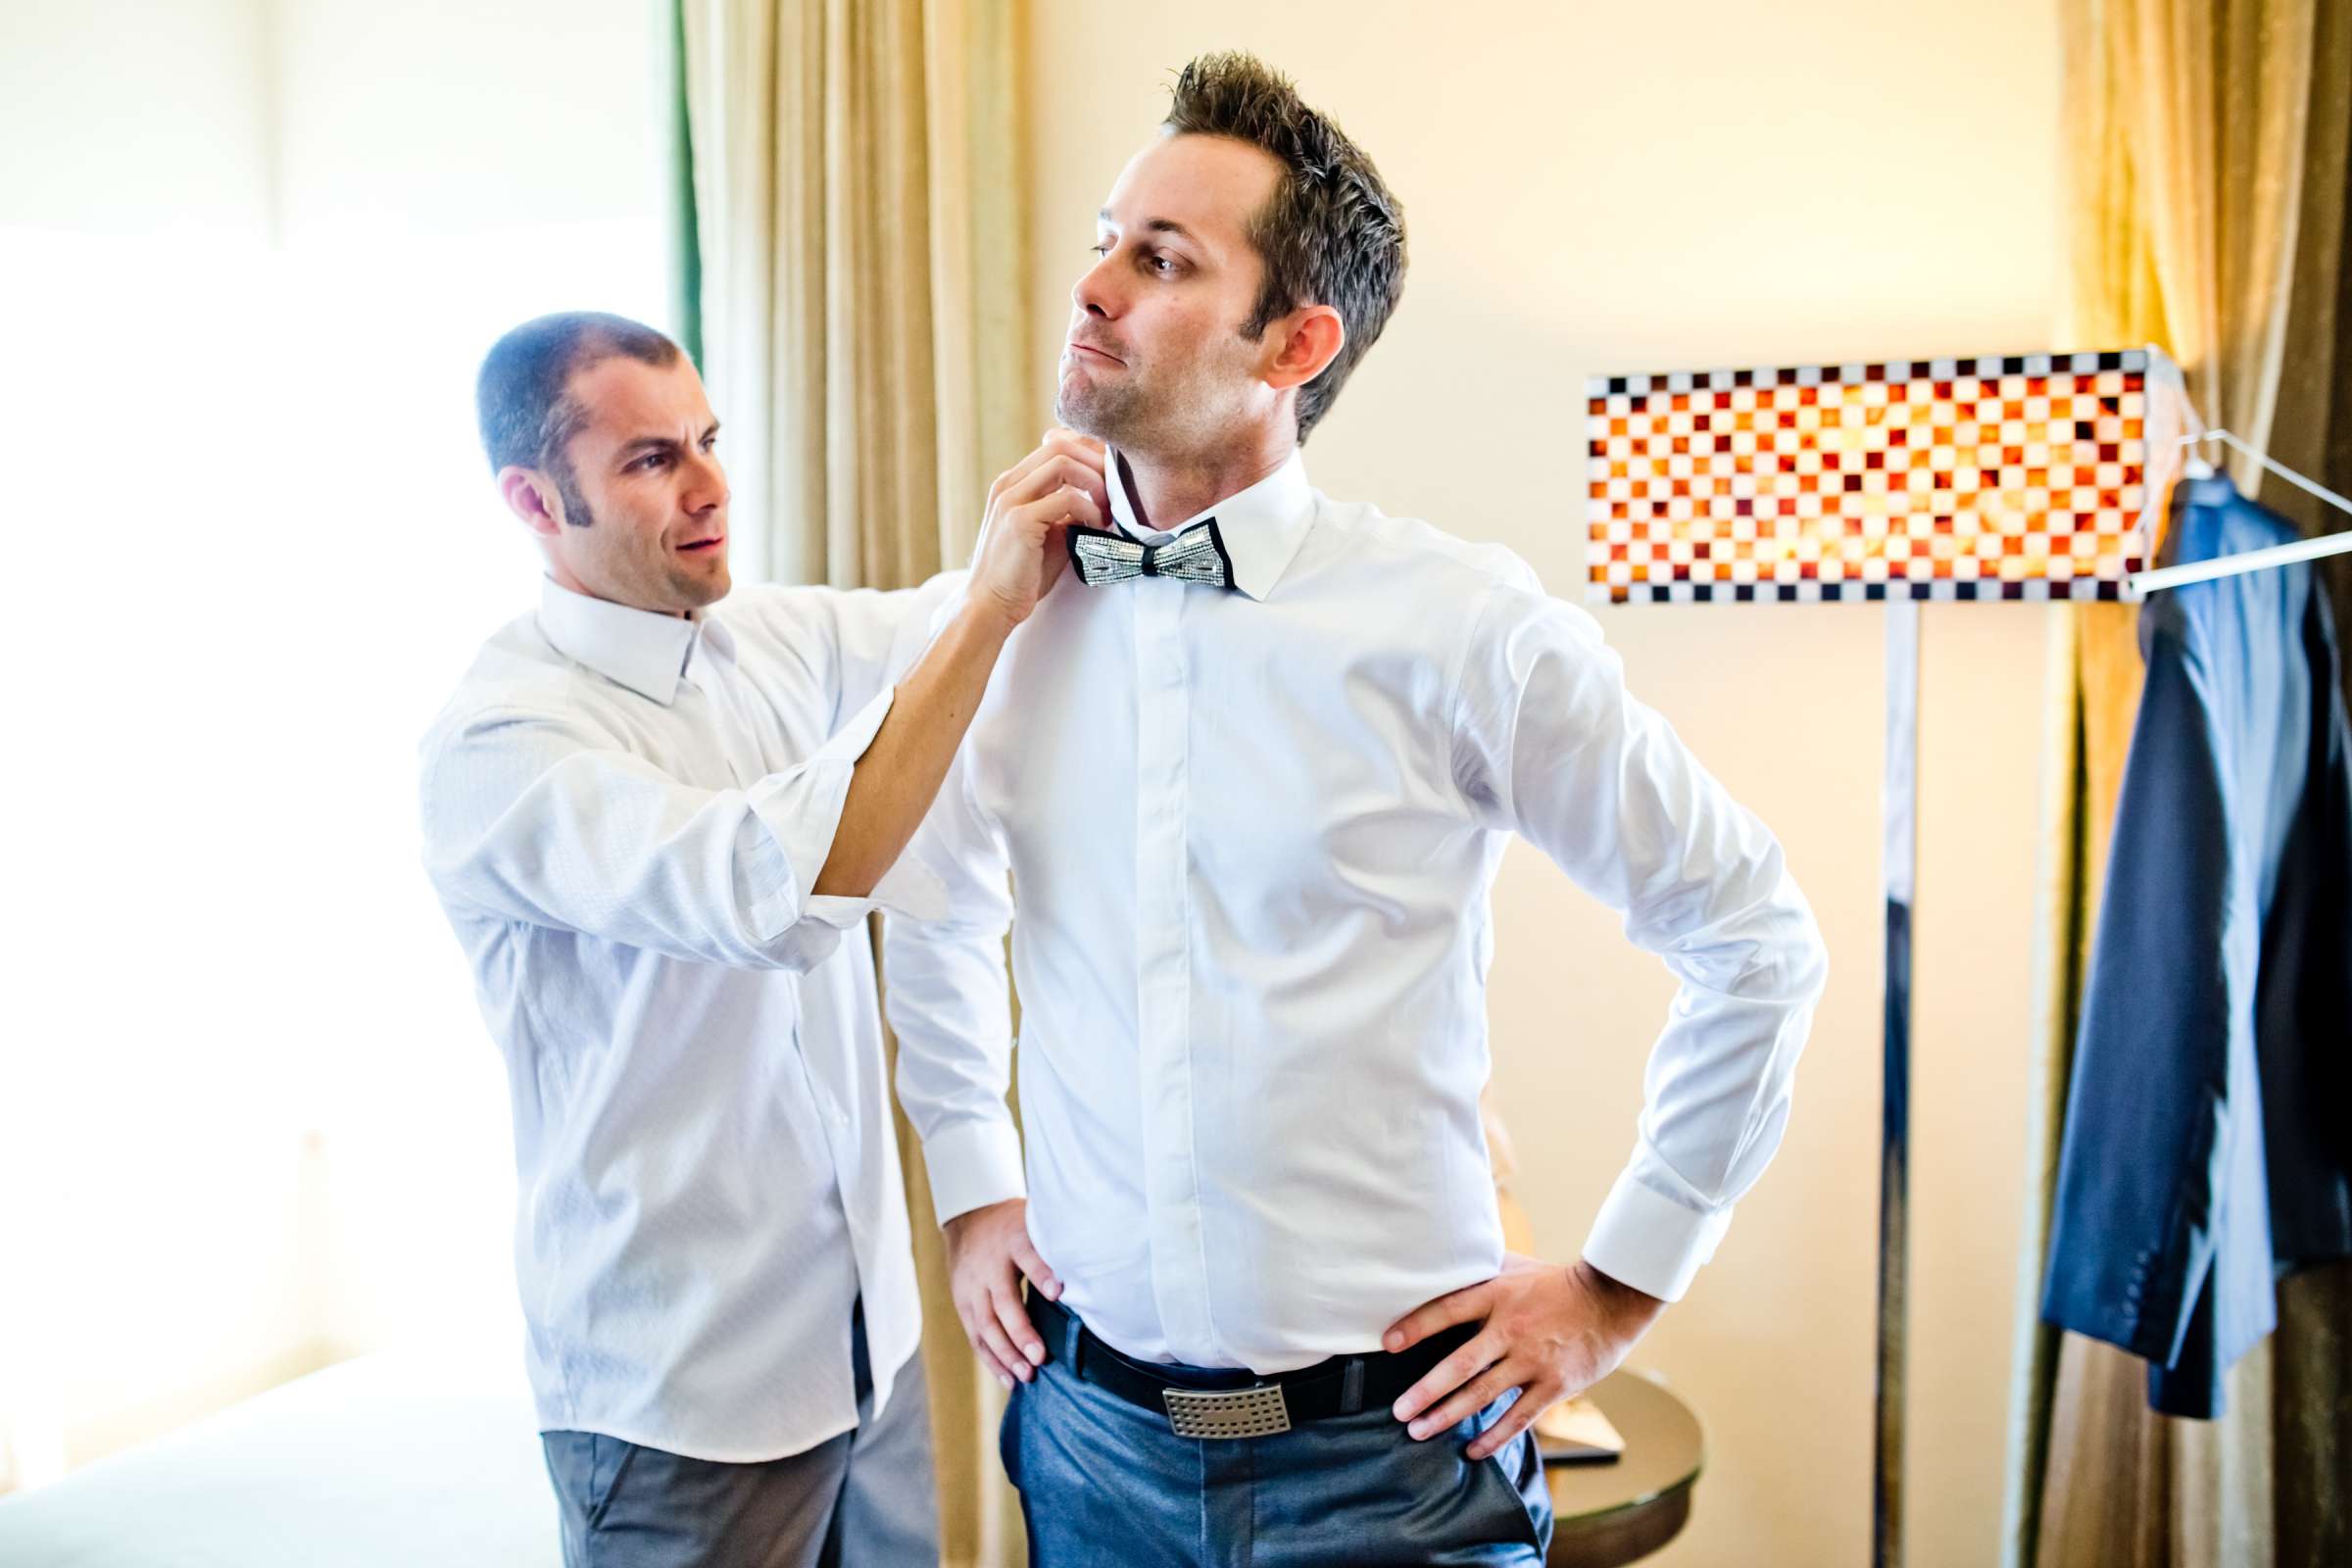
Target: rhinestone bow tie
[(1197, 555)]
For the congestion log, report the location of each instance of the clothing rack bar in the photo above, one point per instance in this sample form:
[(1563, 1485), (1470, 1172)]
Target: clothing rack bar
[(2328, 544), (2279, 469), (2141, 583)]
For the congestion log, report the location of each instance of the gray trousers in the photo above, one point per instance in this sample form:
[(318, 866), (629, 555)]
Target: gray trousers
[(863, 1499)]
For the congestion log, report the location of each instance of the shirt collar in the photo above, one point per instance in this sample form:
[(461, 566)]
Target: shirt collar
[(1261, 528), (643, 651)]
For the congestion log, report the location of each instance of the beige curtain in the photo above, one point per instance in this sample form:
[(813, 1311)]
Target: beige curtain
[(857, 174), (2203, 137), (857, 181)]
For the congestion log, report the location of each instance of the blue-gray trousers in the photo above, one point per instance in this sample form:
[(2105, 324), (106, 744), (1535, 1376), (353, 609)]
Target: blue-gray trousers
[(1105, 1484)]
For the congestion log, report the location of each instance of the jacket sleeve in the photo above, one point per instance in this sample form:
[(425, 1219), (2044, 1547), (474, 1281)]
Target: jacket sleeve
[(2135, 1220)]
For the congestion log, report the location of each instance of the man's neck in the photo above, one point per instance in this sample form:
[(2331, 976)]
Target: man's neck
[(1165, 492), (564, 578)]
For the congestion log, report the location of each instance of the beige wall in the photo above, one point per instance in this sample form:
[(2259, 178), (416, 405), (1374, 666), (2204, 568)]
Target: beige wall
[(1627, 188), (134, 117)]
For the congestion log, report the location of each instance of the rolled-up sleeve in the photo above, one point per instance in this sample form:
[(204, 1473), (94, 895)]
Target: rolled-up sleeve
[(1548, 744), (537, 817)]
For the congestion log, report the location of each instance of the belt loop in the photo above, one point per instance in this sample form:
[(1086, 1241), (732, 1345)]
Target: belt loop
[(1073, 1343), (1351, 1387)]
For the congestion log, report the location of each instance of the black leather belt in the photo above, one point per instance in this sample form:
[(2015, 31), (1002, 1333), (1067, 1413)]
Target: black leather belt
[(1240, 1403)]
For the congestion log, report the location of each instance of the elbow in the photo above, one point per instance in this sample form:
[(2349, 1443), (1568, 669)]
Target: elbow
[(1794, 955), (1814, 961), (1804, 962)]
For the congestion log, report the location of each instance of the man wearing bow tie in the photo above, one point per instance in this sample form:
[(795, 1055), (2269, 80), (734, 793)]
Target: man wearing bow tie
[(1268, 749)]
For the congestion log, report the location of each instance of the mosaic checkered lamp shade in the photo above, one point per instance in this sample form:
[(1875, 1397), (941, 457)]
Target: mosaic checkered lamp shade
[(2013, 477)]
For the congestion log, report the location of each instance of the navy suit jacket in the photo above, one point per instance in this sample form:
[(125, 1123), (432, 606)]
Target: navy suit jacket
[(2207, 1138)]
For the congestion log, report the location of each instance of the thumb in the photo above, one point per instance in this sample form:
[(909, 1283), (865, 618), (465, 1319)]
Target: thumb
[(1468, 1306), (1025, 1254)]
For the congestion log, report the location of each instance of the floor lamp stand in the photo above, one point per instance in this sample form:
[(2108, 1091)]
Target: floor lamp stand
[(1899, 816)]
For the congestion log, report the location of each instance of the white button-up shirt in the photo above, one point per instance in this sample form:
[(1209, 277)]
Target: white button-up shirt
[(623, 816), (1252, 835)]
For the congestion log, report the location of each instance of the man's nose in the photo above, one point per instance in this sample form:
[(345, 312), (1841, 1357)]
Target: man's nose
[(1095, 291), (705, 484)]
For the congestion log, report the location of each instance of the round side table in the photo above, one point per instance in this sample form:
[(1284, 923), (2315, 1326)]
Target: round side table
[(1620, 1510)]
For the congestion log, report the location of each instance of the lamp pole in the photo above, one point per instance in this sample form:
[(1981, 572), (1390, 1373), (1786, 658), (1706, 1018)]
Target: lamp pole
[(1898, 811)]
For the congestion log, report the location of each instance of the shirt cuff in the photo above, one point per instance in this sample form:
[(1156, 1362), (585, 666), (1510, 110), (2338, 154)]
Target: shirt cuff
[(1651, 1242), (801, 809), (973, 1164), (908, 888)]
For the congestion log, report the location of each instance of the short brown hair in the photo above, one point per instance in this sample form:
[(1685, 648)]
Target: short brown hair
[(521, 397), (1331, 234)]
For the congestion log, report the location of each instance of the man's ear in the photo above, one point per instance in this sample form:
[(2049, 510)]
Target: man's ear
[(1310, 338), (533, 497)]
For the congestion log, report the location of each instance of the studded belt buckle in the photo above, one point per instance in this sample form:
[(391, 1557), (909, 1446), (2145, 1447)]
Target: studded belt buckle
[(1257, 1412)]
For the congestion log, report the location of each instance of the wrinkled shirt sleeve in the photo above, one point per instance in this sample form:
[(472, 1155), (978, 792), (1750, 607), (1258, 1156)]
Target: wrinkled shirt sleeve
[(536, 817), (951, 1006), (1549, 745)]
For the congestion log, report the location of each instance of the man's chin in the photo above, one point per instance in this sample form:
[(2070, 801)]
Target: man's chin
[(703, 589), (1090, 415)]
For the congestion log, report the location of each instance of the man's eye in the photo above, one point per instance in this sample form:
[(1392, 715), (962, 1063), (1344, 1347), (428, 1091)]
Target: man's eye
[(652, 460), (1162, 265), (1101, 247)]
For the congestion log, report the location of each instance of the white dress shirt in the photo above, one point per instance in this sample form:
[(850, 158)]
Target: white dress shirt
[(1252, 835), (623, 816)]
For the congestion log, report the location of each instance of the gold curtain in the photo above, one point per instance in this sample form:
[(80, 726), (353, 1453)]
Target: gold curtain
[(2205, 174), (858, 185), (860, 218)]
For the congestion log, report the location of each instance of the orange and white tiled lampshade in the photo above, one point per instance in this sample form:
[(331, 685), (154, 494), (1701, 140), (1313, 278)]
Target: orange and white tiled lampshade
[(2014, 477)]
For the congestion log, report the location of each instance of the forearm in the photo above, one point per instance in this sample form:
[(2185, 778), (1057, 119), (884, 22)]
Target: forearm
[(900, 774)]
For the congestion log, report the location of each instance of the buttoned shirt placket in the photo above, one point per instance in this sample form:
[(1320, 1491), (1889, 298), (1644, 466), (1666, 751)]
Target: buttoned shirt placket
[(1163, 967)]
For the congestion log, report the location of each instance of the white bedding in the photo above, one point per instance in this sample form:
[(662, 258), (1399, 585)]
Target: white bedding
[(419, 1458)]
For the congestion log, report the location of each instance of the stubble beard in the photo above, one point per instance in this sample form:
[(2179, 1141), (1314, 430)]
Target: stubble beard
[(698, 593), (1117, 414), (1162, 420), (660, 584)]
